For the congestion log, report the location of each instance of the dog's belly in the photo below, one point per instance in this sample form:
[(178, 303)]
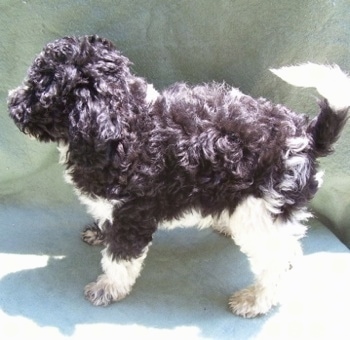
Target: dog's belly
[(191, 218)]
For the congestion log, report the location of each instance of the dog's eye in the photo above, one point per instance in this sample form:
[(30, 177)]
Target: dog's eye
[(48, 73)]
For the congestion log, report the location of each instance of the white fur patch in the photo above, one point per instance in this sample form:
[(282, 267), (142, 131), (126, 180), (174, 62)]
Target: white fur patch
[(319, 178), (152, 94), (330, 81), (235, 93), (117, 281), (63, 150), (192, 218), (99, 208)]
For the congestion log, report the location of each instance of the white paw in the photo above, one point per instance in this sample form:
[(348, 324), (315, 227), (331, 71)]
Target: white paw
[(252, 301), (104, 291)]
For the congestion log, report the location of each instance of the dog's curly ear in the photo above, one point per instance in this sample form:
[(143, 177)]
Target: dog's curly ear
[(102, 94), (106, 97)]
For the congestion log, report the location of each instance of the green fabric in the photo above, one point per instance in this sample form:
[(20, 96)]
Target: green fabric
[(235, 41)]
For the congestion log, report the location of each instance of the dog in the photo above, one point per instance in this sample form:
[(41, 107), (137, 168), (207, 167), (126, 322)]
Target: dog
[(205, 155)]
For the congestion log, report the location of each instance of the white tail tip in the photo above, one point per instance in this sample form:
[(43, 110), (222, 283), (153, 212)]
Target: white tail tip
[(330, 81)]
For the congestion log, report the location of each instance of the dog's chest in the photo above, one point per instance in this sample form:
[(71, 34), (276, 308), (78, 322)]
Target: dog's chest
[(101, 209)]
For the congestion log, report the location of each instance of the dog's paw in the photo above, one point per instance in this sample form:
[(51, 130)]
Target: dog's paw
[(92, 235), (222, 230), (252, 301), (103, 291)]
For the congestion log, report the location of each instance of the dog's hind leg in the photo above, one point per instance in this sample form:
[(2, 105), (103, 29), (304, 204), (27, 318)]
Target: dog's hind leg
[(271, 248)]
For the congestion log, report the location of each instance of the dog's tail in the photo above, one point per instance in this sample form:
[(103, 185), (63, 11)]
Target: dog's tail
[(334, 85)]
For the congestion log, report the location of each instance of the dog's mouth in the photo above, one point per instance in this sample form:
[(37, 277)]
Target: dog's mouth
[(25, 129), (30, 135), (40, 133), (27, 132)]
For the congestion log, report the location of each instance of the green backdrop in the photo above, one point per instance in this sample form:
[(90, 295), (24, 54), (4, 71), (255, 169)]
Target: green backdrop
[(235, 41)]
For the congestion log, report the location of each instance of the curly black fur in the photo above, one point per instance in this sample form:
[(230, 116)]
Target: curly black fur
[(193, 147)]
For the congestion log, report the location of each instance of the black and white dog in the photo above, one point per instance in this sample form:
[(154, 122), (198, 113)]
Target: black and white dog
[(205, 155)]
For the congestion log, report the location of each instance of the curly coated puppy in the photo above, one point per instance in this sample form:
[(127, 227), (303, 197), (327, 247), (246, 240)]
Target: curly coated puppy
[(205, 155)]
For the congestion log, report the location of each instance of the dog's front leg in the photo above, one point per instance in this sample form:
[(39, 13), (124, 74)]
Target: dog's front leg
[(127, 240), (117, 280)]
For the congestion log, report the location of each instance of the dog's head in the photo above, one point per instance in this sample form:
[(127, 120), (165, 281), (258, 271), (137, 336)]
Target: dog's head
[(76, 87)]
